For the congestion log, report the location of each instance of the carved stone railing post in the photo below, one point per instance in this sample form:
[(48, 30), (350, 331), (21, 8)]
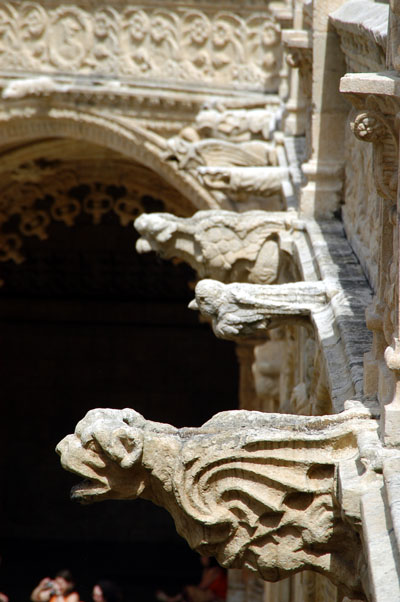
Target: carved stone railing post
[(299, 57), (252, 489)]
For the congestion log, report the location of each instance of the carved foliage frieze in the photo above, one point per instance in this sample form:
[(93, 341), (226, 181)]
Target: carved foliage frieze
[(175, 43)]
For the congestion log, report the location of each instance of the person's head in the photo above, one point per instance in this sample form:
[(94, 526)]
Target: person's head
[(65, 581), (106, 591)]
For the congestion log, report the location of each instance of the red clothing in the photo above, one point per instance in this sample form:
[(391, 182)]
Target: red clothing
[(66, 598), (219, 586)]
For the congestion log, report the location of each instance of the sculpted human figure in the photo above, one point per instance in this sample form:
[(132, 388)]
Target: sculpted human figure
[(246, 487)]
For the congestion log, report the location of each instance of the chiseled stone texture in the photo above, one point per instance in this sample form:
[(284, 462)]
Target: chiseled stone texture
[(252, 489), (223, 245)]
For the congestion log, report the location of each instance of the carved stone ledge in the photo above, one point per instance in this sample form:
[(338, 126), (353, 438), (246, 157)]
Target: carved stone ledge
[(252, 489), (376, 98), (250, 247)]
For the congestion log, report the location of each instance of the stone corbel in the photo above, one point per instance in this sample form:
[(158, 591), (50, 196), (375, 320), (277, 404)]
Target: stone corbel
[(254, 490), (376, 101)]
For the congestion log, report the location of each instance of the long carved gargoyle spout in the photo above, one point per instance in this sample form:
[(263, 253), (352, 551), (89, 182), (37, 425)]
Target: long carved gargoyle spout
[(248, 310), (252, 489)]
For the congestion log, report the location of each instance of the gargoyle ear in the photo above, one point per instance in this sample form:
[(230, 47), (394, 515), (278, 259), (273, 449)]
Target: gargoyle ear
[(124, 445), (167, 231)]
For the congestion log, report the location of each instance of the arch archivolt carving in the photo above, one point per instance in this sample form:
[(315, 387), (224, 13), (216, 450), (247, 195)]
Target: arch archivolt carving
[(20, 122), (133, 150)]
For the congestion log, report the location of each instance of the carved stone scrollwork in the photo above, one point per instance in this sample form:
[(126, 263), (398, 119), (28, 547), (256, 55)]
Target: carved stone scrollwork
[(373, 126), (252, 489), (230, 247), (236, 125), (150, 42), (220, 153)]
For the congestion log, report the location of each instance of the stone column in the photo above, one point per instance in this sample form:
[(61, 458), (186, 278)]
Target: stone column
[(324, 170), (295, 41), (247, 392)]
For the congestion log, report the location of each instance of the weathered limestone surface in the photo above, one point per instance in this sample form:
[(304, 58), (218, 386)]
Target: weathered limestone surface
[(179, 90), (362, 26), (253, 489), (195, 45), (226, 246)]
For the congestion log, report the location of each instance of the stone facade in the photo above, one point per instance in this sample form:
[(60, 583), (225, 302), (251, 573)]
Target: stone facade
[(270, 132)]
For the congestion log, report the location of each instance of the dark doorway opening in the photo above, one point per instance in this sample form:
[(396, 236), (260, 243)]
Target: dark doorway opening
[(86, 322)]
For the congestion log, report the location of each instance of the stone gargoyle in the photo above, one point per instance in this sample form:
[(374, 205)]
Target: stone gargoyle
[(252, 489), (254, 246)]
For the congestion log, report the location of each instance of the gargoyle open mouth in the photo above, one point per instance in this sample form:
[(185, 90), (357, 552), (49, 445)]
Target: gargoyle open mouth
[(87, 490)]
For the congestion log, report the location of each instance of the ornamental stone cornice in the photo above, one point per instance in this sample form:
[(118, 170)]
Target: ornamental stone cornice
[(362, 27), (237, 47), (167, 108)]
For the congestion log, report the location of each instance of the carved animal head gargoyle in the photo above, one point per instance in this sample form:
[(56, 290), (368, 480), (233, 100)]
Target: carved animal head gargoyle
[(249, 247), (252, 489)]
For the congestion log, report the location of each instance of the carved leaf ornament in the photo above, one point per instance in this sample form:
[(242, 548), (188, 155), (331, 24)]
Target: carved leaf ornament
[(188, 45)]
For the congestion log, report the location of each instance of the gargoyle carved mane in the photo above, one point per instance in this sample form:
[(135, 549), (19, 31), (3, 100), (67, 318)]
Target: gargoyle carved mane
[(252, 489)]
